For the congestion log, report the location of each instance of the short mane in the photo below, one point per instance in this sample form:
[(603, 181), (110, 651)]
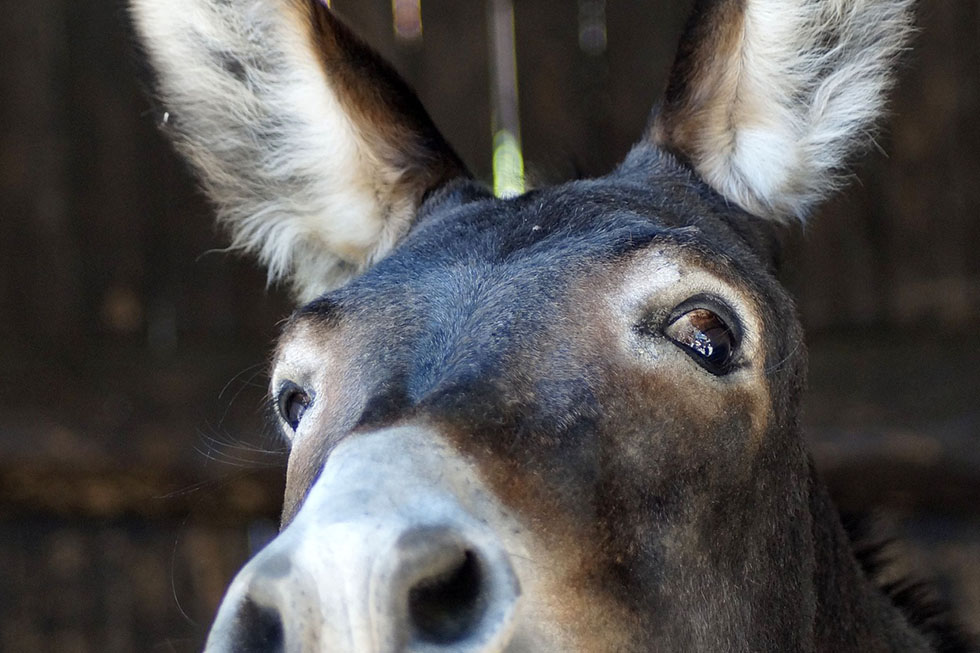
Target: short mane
[(917, 598)]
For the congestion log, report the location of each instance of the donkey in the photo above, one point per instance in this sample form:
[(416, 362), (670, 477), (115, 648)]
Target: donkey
[(562, 421)]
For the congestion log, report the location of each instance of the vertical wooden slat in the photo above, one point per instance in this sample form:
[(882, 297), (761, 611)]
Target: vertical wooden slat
[(40, 285)]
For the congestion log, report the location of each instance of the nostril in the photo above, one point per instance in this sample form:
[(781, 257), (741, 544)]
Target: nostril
[(445, 606), (259, 629)]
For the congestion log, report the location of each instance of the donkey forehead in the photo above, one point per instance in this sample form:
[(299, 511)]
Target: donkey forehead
[(492, 275)]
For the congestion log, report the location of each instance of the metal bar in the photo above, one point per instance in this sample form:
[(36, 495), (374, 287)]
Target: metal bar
[(508, 162)]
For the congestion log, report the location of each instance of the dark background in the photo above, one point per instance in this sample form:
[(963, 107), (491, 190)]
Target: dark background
[(136, 472)]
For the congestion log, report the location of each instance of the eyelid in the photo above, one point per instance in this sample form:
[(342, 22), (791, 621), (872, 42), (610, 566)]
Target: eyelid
[(712, 303), (284, 386), (655, 322)]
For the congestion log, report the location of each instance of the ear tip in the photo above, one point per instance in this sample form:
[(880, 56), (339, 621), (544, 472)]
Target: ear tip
[(770, 99)]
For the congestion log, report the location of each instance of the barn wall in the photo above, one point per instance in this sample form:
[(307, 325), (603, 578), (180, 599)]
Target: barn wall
[(135, 468)]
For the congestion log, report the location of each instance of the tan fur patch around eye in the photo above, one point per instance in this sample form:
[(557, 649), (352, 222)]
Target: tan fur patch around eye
[(654, 282)]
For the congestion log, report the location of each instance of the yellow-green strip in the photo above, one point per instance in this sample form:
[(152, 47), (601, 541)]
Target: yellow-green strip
[(508, 165)]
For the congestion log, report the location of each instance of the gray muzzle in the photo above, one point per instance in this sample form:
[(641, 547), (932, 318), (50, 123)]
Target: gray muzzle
[(391, 551)]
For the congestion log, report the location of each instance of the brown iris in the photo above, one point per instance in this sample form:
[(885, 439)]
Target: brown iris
[(706, 337)]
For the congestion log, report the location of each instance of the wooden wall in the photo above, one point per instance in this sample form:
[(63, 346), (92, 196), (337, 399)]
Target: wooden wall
[(135, 468)]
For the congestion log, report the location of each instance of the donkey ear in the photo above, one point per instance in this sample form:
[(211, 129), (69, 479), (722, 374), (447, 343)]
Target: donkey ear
[(315, 152), (768, 99)]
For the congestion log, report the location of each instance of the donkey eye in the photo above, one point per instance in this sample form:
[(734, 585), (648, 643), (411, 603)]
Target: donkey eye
[(706, 337), (293, 402)]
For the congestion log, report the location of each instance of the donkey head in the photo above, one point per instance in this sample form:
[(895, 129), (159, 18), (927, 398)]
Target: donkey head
[(562, 421)]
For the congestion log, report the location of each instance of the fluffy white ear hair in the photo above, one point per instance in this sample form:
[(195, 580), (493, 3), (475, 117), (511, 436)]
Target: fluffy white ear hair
[(313, 150), (768, 99)]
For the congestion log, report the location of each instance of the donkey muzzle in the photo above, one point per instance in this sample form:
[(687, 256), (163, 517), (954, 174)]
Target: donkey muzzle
[(390, 552)]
